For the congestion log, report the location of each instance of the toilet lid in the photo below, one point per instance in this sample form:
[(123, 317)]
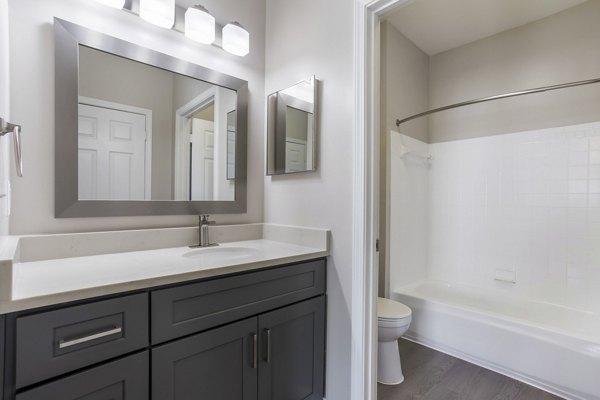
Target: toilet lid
[(390, 309)]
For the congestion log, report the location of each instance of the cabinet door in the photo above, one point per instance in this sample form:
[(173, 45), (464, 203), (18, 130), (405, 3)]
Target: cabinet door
[(292, 352), (2, 355), (124, 379), (220, 364)]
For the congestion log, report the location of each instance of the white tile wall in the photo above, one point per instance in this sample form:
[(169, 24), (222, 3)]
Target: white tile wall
[(527, 203), (408, 197)]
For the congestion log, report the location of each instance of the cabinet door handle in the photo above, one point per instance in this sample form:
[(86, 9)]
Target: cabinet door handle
[(72, 342), (268, 350), (254, 351)]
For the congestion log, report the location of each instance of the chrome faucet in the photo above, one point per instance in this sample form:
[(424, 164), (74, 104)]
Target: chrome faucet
[(203, 224)]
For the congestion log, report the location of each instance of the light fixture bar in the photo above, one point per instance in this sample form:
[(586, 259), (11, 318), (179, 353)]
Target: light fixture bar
[(133, 7)]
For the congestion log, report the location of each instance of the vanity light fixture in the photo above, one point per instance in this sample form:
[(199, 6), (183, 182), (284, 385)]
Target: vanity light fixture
[(112, 3), (236, 40), (199, 25), (158, 12)]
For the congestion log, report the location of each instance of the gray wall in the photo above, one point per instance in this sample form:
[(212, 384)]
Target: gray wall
[(560, 48), (404, 91), (32, 101), (404, 83), (111, 78), (186, 89)]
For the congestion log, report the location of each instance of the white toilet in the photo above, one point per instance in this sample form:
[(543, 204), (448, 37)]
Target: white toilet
[(393, 320)]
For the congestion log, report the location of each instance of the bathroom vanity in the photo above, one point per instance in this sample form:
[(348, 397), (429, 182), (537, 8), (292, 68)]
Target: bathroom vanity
[(250, 327)]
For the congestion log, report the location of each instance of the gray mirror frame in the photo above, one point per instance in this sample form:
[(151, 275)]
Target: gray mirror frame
[(67, 38)]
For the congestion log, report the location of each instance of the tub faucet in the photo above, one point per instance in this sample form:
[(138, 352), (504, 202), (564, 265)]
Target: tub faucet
[(203, 224)]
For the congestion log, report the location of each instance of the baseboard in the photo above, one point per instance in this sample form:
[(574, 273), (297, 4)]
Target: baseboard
[(494, 367)]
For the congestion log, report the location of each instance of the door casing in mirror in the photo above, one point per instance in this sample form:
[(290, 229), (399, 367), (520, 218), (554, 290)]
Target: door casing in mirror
[(68, 38)]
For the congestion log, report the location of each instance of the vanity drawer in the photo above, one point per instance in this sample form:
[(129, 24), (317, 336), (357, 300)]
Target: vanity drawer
[(124, 379), (183, 310), (55, 342)]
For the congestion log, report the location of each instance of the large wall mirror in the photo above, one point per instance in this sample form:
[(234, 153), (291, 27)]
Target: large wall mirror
[(142, 133), (291, 129)]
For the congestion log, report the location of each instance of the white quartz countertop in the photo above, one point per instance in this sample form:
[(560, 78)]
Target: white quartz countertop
[(51, 281)]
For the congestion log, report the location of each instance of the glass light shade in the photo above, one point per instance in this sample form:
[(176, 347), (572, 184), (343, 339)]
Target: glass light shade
[(199, 25), (158, 12), (112, 3), (236, 40)]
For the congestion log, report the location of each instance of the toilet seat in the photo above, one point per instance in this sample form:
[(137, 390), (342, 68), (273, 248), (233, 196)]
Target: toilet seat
[(394, 323), (390, 310)]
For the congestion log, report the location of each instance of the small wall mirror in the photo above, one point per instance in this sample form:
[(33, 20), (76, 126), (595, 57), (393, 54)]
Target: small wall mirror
[(291, 129)]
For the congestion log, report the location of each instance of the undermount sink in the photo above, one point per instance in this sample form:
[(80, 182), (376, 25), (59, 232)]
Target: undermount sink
[(214, 253)]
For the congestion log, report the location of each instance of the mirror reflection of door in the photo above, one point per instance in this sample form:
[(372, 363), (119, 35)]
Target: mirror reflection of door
[(112, 152), (202, 148), (231, 133), (202, 154), (298, 130)]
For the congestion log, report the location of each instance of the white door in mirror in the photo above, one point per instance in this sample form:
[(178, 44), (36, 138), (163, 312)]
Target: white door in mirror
[(111, 155), (295, 155), (203, 156)]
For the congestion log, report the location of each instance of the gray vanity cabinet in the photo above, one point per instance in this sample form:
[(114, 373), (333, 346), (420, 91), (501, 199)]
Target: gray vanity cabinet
[(275, 356), (2, 353), (218, 364), (257, 335), (124, 379), (292, 352)]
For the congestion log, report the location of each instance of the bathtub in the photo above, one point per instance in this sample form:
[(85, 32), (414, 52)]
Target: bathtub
[(549, 346)]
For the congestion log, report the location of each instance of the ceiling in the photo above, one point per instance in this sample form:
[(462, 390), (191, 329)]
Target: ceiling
[(439, 25)]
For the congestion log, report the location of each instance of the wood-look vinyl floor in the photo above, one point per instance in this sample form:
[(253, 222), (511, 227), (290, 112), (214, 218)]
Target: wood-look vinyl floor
[(431, 375)]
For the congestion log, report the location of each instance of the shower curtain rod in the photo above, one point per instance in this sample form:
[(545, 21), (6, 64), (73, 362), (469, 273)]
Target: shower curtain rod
[(498, 97)]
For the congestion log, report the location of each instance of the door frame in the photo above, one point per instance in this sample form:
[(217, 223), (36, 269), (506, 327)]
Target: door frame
[(181, 158), (91, 101), (365, 210)]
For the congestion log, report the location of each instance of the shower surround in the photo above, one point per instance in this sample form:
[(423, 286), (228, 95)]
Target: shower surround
[(500, 221), (518, 212)]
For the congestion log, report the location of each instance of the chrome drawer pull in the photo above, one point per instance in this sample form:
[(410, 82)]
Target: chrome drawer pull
[(67, 343)]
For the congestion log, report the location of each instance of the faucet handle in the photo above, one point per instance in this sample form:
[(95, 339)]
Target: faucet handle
[(204, 220)]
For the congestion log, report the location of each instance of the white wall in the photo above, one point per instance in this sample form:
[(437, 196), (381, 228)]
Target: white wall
[(32, 101), (5, 142), (305, 38), (557, 49)]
